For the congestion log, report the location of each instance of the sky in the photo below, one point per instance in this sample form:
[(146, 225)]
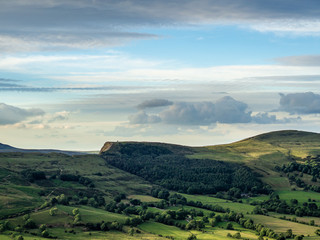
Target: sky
[(77, 73)]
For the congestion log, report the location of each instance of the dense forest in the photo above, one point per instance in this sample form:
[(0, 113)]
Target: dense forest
[(173, 171)]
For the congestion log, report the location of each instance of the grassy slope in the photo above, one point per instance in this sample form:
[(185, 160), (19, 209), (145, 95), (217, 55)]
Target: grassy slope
[(214, 233), (263, 152), (279, 225), (17, 195), (233, 206), (271, 221)]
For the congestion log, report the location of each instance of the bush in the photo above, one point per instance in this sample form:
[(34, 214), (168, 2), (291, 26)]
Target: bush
[(229, 226), (45, 233), (19, 237), (42, 227), (192, 237), (30, 224), (18, 229), (53, 211)]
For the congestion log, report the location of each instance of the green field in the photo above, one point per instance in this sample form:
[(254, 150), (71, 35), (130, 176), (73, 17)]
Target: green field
[(279, 225), (144, 198), (164, 230), (92, 235), (301, 196), (216, 233), (234, 206)]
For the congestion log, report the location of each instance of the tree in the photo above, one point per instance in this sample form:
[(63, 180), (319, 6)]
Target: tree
[(45, 233), (229, 226), (116, 226), (317, 232), (26, 217), (30, 224), (289, 233), (135, 202), (77, 218), (18, 229), (299, 237), (42, 227), (192, 237), (53, 211), (104, 226), (237, 235), (75, 211), (62, 199)]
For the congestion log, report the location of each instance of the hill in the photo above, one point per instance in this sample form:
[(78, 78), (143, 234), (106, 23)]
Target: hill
[(265, 152), (144, 190), (29, 178), (8, 148), (167, 165), (4, 147)]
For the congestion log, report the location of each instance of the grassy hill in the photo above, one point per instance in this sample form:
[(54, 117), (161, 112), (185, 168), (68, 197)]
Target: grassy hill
[(264, 152), (136, 185), (18, 193)]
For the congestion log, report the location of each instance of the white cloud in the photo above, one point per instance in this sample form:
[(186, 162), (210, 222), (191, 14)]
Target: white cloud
[(289, 26)]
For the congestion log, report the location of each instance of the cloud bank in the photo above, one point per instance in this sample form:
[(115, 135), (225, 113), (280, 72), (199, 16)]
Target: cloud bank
[(11, 115), (225, 110), (307, 60), (300, 103), (45, 25)]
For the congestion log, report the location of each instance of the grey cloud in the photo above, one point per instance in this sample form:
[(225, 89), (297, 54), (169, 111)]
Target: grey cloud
[(307, 60), (143, 118), (297, 78), (189, 113), (225, 110), (33, 24), (7, 83), (10, 87), (10, 114), (265, 118), (62, 40), (301, 103), (229, 110), (97, 13), (154, 103)]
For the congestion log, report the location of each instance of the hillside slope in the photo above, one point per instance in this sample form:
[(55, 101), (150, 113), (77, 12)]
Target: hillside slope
[(123, 193), (264, 152), (29, 178)]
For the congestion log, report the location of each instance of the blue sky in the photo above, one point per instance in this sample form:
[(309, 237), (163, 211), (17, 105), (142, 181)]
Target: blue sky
[(77, 73)]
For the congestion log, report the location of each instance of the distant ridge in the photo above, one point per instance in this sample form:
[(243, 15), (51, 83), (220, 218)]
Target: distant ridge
[(7, 148), (285, 134)]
